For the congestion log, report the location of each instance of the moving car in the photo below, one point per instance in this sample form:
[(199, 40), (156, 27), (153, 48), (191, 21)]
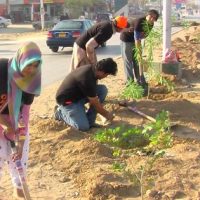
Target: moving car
[(65, 33), (4, 22)]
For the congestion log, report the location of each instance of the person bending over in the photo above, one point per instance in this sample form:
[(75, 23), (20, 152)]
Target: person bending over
[(20, 81), (84, 46)]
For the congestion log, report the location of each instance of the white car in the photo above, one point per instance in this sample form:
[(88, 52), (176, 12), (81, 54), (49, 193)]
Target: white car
[(4, 22)]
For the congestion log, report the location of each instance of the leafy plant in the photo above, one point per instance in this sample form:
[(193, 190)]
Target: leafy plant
[(132, 91), (117, 166), (122, 137), (116, 152), (154, 138), (165, 82), (159, 132), (153, 40), (185, 24)]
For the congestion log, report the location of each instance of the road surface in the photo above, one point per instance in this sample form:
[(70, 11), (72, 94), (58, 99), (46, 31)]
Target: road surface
[(56, 65)]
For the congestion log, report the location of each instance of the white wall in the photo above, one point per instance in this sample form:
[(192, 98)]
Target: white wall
[(2, 1)]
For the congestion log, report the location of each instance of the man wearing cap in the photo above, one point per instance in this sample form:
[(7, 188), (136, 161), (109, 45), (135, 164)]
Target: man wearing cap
[(84, 46), (131, 47)]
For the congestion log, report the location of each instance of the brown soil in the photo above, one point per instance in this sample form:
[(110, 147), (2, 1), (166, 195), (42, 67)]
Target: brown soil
[(66, 164)]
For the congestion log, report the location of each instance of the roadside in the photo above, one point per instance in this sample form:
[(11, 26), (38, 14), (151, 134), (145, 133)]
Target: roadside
[(20, 32)]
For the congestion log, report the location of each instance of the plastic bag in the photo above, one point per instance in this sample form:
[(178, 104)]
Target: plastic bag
[(171, 56)]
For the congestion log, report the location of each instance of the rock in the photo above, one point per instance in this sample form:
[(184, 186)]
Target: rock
[(151, 193), (64, 179)]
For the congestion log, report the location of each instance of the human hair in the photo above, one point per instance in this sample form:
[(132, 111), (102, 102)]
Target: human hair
[(153, 12), (107, 65)]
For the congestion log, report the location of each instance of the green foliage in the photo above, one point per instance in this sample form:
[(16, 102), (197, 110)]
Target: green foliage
[(154, 136), (118, 167), (116, 152), (165, 82), (77, 6), (159, 132), (122, 137), (81, 3), (132, 91), (185, 24), (153, 40)]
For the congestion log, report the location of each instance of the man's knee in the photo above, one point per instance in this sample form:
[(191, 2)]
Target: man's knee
[(102, 92)]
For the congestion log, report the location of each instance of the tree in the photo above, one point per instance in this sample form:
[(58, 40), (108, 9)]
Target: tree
[(78, 6)]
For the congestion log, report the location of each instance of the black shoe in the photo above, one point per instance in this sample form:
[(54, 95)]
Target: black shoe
[(95, 125), (146, 89)]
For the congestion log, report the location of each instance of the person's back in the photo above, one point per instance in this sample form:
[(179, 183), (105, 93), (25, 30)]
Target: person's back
[(85, 45), (101, 32), (78, 84)]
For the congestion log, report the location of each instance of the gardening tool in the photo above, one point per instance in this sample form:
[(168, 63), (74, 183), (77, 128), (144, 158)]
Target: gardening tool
[(19, 167), (20, 171), (135, 110)]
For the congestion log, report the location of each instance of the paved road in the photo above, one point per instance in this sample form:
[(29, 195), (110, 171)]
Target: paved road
[(56, 65)]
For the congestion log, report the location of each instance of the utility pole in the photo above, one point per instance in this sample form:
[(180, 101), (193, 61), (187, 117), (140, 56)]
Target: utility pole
[(166, 25), (42, 13), (7, 7)]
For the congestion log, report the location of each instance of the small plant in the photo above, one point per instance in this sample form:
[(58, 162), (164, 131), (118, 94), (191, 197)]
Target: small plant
[(159, 132), (118, 167), (132, 91), (165, 82), (122, 137), (144, 169), (185, 24), (116, 152), (155, 135), (154, 138)]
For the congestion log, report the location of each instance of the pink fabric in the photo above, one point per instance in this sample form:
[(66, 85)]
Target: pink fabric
[(170, 56), (24, 116)]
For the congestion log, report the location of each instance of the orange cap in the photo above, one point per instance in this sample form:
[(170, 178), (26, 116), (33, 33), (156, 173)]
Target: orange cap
[(121, 21)]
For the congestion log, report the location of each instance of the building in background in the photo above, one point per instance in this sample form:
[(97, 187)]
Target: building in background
[(29, 10)]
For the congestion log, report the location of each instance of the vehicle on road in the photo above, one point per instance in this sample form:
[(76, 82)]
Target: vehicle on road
[(65, 32), (48, 24), (4, 22)]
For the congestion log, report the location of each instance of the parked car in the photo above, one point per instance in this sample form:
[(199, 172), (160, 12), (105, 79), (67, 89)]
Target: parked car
[(47, 24), (65, 32), (4, 22)]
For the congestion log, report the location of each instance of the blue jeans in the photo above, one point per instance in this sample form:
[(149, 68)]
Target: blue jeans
[(131, 68), (76, 115)]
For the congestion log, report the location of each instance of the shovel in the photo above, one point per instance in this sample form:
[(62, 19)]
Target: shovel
[(20, 171), (135, 110)]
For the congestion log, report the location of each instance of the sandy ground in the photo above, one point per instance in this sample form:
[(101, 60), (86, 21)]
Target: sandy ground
[(66, 164)]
